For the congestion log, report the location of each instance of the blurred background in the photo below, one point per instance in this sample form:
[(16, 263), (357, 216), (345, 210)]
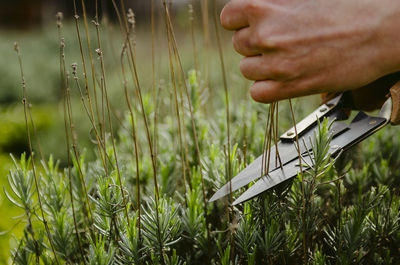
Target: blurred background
[(25, 14)]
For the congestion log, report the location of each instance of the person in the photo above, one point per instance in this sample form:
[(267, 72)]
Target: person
[(295, 48)]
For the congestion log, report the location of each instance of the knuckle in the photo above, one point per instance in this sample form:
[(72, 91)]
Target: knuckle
[(271, 41), (268, 42), (276, 72), (257, 40), (263, 40), (252, 6), (284, 69)]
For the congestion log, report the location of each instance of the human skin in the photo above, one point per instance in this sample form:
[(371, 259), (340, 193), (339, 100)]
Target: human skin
[(295, 48)]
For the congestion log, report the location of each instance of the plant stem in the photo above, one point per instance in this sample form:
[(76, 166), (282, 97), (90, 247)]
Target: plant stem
[(195, 60), (100, 53), (206, 37), (153, 78), (190, 110), (134, 139), (65, 93), (178, 118), (26, 111), (125, 29), (93, 72), (305, 247), (100, 145)]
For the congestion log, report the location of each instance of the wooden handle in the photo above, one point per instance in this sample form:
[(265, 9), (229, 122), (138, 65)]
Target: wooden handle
[(395, 94), (371, 96)]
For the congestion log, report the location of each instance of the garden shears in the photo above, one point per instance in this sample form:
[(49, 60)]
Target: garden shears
[(293, 142)]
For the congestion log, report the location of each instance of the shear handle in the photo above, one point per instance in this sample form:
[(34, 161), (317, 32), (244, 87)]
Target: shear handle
[(372, 96), (395, 95)]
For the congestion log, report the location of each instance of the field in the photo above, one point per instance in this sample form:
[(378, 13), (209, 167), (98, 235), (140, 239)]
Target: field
[(136, 125)]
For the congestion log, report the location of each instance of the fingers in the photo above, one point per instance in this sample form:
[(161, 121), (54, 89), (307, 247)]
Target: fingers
[(277, 75), (232, 15), (243, 42), (268, 91), (263, 67)]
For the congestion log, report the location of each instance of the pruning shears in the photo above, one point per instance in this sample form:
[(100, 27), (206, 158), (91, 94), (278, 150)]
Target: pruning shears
[(292, 142)]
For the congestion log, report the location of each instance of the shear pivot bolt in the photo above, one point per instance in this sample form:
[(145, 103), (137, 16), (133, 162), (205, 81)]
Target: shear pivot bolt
[(323, 109), (290, 133), (372, 122)]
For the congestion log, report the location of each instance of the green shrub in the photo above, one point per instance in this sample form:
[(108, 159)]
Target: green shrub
[(330, 223)]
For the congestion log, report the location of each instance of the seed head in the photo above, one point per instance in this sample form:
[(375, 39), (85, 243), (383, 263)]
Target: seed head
[(191, 12), (123, 49), (131, 17), (59, 17), (74, 66)]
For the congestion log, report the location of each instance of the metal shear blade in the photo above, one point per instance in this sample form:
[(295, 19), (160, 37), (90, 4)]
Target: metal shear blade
[(288, 152), (344, 135)]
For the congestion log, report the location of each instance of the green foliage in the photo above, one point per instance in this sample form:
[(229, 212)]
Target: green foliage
[(21, 182), (318, 217), (130, 243), (246, 234), (224, 255), (193, 220), (99, 253), (161, 225)]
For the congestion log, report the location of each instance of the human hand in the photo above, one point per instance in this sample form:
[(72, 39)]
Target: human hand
[(297, 48)]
